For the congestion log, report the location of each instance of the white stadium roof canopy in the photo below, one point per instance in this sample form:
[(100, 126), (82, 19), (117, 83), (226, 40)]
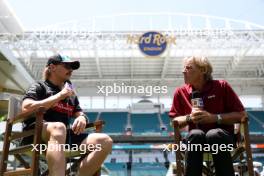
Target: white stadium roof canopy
[(235, 48)]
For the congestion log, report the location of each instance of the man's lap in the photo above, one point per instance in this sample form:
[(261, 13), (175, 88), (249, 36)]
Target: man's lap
[(71, 138)]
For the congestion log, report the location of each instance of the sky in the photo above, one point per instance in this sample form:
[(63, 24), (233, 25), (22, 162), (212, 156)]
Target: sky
[(41, 13)]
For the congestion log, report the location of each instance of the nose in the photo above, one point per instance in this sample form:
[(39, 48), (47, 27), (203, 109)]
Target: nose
[(184, 70)]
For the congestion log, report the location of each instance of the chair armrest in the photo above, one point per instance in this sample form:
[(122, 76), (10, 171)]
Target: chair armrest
[(28, 114), (98, 125), (244, 119)]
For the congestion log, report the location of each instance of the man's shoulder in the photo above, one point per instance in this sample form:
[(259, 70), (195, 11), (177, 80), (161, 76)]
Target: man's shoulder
[(35, 85), (221, 83), (185, 88), (33, 92), (38, 87)]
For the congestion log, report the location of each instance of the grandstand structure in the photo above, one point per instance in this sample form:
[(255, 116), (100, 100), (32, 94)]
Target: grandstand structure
[(109, 55)]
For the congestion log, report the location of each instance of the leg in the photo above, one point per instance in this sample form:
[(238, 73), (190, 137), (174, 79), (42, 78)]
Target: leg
[(222, 159), (194, 159), (103, 146), (54, 133)]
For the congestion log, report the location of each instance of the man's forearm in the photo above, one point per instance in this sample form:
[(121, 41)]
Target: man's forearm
[(232, 117), (227, 118), (181, 120), (46, 103)]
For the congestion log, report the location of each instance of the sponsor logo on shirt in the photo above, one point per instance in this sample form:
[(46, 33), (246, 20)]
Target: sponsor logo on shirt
[(63, 108), (211, 96)]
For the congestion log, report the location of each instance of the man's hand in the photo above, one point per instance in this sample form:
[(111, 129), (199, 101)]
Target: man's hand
[(66, 92), (202, 117), (181, 121), (79, 125)]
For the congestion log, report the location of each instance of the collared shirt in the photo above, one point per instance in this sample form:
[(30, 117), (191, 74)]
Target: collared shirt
[(218, 98), (61, 111)]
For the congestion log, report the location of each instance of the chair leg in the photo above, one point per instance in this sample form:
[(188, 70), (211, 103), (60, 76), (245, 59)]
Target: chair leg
[(248, 151), (177, 137), (75, 164), (4, 158)]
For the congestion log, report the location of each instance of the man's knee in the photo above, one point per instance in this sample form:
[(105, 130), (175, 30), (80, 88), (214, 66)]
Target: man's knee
[(196, 136), (105, 141), (57, 130), (217, 136)]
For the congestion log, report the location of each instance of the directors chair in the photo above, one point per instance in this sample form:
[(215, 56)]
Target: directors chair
[(241, 155), (36, 165)]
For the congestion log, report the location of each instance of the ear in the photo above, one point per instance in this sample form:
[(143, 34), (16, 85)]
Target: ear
[(52, 67)]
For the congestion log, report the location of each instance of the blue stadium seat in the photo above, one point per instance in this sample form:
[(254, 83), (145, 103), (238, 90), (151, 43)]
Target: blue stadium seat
[(92, 116), (153, 169), (145, 123), (166, 120), (116, 169), (115, 121), (256, 122)]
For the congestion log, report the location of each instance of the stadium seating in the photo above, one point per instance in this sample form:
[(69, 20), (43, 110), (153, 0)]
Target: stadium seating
[(92, 116), (116, 121), (138, 169), (166, 121), (141, 123), (153, 169), (256, 122), (144, 123)]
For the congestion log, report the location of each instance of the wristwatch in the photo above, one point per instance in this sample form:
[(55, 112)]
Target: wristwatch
[(219, 119), (188, 119)]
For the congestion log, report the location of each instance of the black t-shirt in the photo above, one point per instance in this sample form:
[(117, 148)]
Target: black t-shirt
[(60, 112)]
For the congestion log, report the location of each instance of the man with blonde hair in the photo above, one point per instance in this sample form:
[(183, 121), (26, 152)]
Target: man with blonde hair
[(211, 125), (61, 104)]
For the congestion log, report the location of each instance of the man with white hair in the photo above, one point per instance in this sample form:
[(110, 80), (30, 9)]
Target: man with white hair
[(214, 123)]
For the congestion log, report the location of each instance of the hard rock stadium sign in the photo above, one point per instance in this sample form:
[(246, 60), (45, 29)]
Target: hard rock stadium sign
[(151, 43)]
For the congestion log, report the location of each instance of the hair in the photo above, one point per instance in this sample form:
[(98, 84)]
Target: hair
[(203, 64), (46, 73)]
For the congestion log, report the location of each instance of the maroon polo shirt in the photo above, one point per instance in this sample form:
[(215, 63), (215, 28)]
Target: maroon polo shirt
[(218, 98)]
